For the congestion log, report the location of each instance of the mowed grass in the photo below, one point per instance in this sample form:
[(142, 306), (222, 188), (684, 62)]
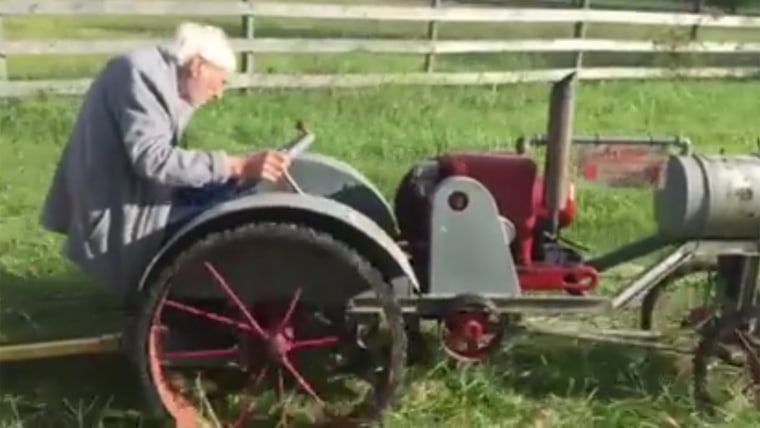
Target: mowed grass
[(383, 132)]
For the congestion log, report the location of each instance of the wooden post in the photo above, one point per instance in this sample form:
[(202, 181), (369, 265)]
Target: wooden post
[(107, 343), (579, 31), (697, 7), (3, 64), (246, 60), (432, 36)]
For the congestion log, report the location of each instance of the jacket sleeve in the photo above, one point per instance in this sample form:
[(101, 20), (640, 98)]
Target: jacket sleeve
[(147, 134)]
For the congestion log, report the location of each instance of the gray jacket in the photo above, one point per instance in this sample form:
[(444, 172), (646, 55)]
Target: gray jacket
[(111, 192)]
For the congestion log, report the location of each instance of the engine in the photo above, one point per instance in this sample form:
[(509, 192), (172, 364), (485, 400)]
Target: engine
[(709, 197), (517, 190)]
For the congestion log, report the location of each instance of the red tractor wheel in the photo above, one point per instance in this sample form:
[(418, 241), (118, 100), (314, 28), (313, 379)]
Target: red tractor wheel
[(471, 329), (259, 311)]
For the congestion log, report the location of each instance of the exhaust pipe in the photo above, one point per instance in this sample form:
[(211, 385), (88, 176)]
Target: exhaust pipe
[(559, 137)]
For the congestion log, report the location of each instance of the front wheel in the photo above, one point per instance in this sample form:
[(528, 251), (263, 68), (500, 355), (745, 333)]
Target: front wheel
[(260, 310)]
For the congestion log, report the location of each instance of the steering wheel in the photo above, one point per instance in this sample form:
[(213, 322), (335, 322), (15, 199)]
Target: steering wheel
[(298, 145), (294, 148)]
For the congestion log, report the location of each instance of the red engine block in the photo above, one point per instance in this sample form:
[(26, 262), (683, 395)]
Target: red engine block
[(518, 192)]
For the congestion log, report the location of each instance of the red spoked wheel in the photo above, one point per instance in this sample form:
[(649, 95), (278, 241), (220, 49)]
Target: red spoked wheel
[(229, 345), (471, 330)]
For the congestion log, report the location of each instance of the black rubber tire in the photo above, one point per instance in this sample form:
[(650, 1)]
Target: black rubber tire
[(299, 234)]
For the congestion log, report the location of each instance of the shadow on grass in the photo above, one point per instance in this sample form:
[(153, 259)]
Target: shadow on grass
[(73, 391), (566, 368), (78, 391), (539, 367), (62, 392), (35, 308)]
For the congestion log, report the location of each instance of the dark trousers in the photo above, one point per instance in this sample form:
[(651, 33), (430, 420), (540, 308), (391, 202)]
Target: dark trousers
[(185, 328), (190, 202)]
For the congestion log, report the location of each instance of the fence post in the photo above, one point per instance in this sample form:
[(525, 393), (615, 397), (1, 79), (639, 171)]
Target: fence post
[(3, 64), (247, 61), (579, 31), (697, 7), (432, 36)]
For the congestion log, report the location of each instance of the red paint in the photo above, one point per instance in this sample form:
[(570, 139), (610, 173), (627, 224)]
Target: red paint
[(511, 179), (272, 333), (470, 335), (550, 277), (517, 190), (622, 165), (590, 172)]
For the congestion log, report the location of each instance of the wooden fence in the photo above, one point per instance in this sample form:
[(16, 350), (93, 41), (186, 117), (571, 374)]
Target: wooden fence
[(579, 16)]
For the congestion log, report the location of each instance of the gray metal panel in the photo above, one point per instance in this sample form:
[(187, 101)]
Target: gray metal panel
[(680, 199), (509, 229), (710, 197), (315, 205), (322, 175), (733, 183), (469, 249)]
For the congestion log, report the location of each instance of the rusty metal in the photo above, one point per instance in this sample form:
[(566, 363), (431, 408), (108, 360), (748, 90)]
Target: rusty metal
[(621, 165), (684, 144), (617, 161)]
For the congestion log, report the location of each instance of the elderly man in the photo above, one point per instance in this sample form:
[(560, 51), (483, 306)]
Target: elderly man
[(115, 189)]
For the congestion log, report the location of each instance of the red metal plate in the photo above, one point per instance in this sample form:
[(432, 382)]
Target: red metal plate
[(621, 165)]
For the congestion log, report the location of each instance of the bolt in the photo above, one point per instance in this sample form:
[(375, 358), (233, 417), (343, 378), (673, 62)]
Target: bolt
[(473, 329)]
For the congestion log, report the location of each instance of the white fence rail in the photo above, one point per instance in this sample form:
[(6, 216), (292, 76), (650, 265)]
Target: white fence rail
[(434, 13), (374, 12)]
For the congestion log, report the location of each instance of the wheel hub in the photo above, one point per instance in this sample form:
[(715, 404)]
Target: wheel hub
[(280, 344), (471, 330)]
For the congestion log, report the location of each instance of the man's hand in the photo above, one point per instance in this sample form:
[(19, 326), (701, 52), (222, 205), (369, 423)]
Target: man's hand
[(267, 165)]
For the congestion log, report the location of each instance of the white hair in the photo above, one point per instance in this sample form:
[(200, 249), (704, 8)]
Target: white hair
[(208, 42)]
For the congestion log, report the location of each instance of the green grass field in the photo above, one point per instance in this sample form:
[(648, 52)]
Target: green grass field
[(541, 383)]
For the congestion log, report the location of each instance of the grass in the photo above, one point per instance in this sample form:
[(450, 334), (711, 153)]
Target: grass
[(383, 131)]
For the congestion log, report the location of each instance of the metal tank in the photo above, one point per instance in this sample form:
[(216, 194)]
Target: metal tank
[(712, 196)]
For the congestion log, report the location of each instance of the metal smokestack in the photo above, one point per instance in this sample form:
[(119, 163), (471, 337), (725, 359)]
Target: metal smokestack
[(559, 138)]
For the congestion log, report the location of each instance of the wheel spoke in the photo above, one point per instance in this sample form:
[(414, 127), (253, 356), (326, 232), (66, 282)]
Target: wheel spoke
[(227, 290), (208, 315), (205, 353), (301, 381), (314, 343), (291, 307)]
